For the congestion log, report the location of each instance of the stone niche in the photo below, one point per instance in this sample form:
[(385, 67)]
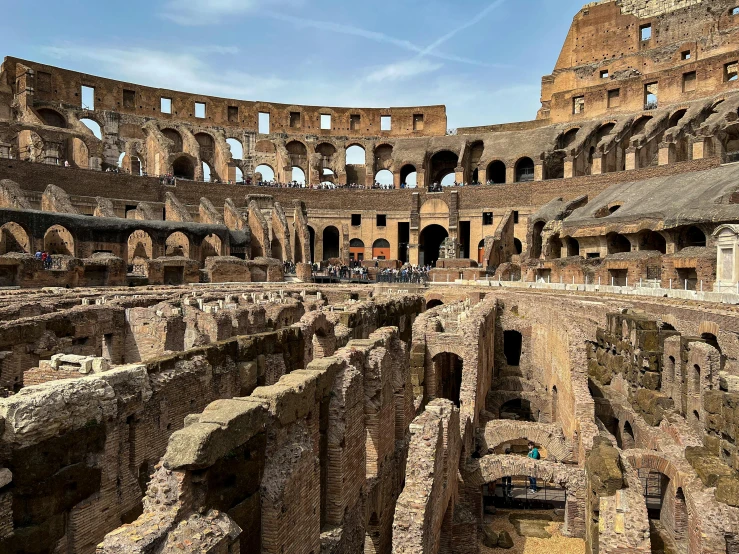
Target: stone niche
[(727, 263)]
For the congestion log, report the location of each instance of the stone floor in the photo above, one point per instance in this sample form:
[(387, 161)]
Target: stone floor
[(532, 522)]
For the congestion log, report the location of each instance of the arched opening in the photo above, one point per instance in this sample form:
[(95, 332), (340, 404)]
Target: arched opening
[(518, 246), (13, 238), (52, 118), (383, 156), (264, 174), (237, 149), (177, 244), (433, 303), (448, 371), (356, 250), (211, 246), (136, 168), (449, 180), (480, 251), (355, 155), (442, 165), (640, 124), (512, 347), (617, 244), (58, 240), (326, 150), (652, 240), (175, 137), (536, 240), (94, 126), (524, 170), (555, 247), (206, 144), (381, 250), (572, 245), (330, 243), (518, 409), (328, 177), (140, 248), (384, 178), (676, 117), (206, 172), (627, 437), (496, 173), (429, 242), (566, 139), (276, 249), (408, 176), (297, 153), (183, 168), (693, 236), (298, 176)]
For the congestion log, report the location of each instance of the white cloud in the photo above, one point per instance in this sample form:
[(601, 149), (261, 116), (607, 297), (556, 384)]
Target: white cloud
[(209, 12), (402, 70)]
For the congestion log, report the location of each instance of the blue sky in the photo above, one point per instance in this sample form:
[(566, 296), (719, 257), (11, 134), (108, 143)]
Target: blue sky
[(483, 59)]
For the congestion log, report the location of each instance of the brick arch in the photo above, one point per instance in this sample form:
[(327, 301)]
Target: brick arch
[(499, 432), (651, 459), (434, 350)]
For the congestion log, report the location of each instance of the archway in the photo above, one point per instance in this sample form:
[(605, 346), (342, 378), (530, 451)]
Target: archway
[(237, 149), (276, 249), (331, 243), (524, 170), (480, 251), (384, 178), (496, 173), (175, 137), (448, 371), (693, 236), (429, 242), (442, 164), (183, 168), (14, 238), (536, 240), (266, 172), (355, 155), (356, 250), (512, 347), (518, 246), (627, 437), (140, 248), (652, 240), (433, 303), (408, 176), (211, 246), (94, 126), (566, 139), (58, 240), (298, 175), (52, 118), (177, 244), (617, 243), (381, 250)]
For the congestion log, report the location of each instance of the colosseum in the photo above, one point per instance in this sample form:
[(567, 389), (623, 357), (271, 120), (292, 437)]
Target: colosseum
[(527, 343)]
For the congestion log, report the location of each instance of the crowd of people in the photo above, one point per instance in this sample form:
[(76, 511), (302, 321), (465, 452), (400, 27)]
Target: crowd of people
[(354, 272), (45, 258), (406, 274)]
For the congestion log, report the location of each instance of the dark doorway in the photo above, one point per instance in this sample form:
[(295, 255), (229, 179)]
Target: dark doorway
[(330, 243), (449, 374), (512, 344), (404, 237), (464, 239), (496, 173), (183, 168), (429, 243)]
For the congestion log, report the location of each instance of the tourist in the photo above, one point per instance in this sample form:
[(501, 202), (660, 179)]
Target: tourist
[(534, 455), (38, 255), (44, 257), (66, 163)]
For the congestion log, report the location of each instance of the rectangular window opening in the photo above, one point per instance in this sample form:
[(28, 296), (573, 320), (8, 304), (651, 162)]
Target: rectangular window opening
[(685, 55), (689, 81), (264, 123), (651, 91), (418, 122), (200, 110), (604, 74), (355, 121), (325, 122), (515, 216), (166, 105), (645, 32), (356, 220), (386, 123), (381, 220), (88, 98), (294, 120), (129, 98), (731, 71), (233, 114), (578, 104), (487, 218), (614, 98)]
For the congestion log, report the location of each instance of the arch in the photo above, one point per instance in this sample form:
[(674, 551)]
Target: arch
[(331, 243), (408, 176), (448, 373), (676, 117), (652, 240), (265, 147), (183, 168), (433, 303), (140, 247), (518, 409), (356, 155), (385, 178), (237, 149), (298, 175), (496, 173), (536, 242), (238, 175), (604, 130), (177, 244), (572, 245), (442, 164), (628, 441), (639, 125), (567, 138), (326, 149), (58, 240), (175, 137), (381, 249), (383, 156), (266, 172), (555, 247), (548, 436), (276, 246), (524, 170), (14, 238), (429, 242), (52, 118), (518, 246), (211, 246), (512, 347), (296, 148), (617, 243), (693, 236), (356, 250), (206, 143), (94, 126)]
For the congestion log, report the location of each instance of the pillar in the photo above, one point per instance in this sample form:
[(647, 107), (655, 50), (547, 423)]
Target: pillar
[(569, 168), (666, 154), (630, 159), (510, 173), (597, 167), (539, 172)]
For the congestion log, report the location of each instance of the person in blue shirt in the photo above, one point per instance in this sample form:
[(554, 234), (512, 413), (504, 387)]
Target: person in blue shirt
[(534, 454)]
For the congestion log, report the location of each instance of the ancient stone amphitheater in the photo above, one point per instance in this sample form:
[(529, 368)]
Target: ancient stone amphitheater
[(182, 375)]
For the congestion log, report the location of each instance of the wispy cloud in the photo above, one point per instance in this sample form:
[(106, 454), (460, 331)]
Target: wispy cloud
[(451, 34), (402, 70), (209, 12)]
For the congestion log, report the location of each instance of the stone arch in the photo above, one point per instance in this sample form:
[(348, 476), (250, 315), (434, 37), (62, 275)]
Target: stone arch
[(93, 125), (353, 156), (628, 440), (617, 243), (429, 242), (496, 172), (383, 157), (448, 369), (177, 244), (441, 164), (183, 168), (434, 303), (356, 250), (58, 240), (548, 436), (331, 243), (524, 170), (536, 240), (236, 147), (52, 118), (692, 236), (265, 147), (259, 172), (529, 401), (211, 246), (174, 136), (140, 247), (408, 170), (567, 138), (381, 249), (652, 240), (14, 238)]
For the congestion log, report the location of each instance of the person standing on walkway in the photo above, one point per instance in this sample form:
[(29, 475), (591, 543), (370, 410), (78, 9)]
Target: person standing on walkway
[(533, 454)]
